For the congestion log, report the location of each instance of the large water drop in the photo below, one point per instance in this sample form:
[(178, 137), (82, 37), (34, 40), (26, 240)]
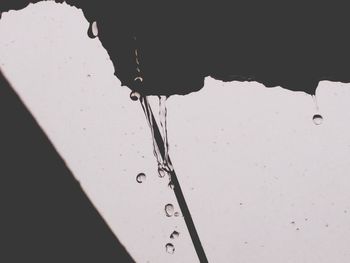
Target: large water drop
[(140, 178), (169, 210), (169, 248)]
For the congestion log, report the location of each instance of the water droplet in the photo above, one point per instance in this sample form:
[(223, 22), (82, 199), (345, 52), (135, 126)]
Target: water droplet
[(169, 210), (170, 248), (171, 185), (93, 30), (140, 178), (134, 95), (317, 119), (176, 214), (162, 172), (174, 235)]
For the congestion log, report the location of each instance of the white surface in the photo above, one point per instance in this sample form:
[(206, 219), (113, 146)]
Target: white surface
[(249, 159)]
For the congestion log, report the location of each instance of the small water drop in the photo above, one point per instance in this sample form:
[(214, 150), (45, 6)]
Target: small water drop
[(169, 210), (140, 178), (170, 248), (134, 95), (176, 214), (174, 235), (162, 172), (171, 185), (317, 119)]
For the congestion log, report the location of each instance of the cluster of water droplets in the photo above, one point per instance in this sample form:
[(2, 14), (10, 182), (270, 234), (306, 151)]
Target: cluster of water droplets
[(169, 247), (163, 161)]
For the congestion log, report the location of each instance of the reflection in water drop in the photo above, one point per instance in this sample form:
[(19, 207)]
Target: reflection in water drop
[(317, 119), (93, 30), (140, 178), (170, 248), (174, 235), (169, 210)]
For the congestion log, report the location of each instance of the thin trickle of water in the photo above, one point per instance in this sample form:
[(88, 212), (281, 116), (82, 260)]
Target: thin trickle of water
[(169, 210), (140, 178), (317, 118), (315, 102), (169, 248), (164, 164), (164, 131), (174, 235)]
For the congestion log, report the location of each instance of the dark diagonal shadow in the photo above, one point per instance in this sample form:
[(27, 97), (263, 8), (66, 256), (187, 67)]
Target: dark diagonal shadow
[(45, 215)]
